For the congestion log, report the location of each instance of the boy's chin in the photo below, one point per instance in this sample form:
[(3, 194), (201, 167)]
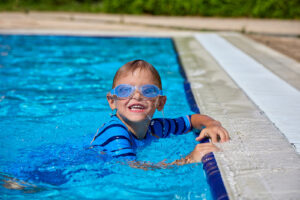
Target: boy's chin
[(138, 119)]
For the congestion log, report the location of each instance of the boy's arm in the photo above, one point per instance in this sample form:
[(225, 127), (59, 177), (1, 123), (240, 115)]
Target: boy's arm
[(198, 121), (213, 128), (195, 156)]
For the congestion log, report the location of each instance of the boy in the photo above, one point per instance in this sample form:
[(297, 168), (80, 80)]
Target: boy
[(136, 95)]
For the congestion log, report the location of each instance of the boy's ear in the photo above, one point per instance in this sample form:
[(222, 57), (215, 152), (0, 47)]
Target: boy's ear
[(161, 103), (111, 101)]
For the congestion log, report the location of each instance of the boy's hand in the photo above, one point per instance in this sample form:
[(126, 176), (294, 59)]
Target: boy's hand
[(200, 150), (215, 131)]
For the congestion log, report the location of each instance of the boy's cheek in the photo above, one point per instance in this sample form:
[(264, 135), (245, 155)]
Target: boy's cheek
[(121, 102)]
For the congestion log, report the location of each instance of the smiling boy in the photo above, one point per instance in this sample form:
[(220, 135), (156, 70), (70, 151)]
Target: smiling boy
[(136, 94)]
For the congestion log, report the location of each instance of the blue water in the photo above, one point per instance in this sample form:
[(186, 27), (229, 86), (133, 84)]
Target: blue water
[(52, 100)]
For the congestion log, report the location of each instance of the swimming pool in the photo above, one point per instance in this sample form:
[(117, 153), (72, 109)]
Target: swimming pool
[(52, 98)]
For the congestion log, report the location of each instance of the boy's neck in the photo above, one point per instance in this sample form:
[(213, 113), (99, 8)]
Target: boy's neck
[(139, 129)]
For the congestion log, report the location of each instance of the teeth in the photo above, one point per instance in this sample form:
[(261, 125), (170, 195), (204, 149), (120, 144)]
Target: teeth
[(136, 107)]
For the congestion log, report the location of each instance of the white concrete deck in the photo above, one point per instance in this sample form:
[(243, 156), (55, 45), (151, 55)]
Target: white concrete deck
[(258, 162), (279, 100)]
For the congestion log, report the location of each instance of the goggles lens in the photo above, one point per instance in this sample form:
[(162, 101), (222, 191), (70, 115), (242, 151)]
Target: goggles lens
[(125, 90)]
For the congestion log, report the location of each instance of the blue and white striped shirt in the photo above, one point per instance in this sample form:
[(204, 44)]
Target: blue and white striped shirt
[(115, 139)]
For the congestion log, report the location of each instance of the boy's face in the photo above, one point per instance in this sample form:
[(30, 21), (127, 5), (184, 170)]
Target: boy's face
[(137, 108)]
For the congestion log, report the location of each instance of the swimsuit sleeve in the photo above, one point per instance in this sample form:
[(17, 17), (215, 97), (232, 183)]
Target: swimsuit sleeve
[(163, 127), (114, 141)]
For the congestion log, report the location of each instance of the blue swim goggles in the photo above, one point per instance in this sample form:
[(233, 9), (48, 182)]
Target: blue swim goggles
[(125, 91)]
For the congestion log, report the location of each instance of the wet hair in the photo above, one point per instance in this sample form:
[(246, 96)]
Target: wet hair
[(134, 65)]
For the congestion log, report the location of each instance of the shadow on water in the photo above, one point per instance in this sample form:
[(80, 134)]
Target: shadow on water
[(52, 166)]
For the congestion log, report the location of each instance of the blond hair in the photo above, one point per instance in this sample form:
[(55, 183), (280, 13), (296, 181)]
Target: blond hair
[(134, 65)]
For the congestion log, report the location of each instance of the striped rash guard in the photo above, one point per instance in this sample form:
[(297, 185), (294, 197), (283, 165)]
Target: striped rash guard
[(116, 140)]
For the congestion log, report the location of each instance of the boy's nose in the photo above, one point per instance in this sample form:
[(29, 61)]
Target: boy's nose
[(137, 95)]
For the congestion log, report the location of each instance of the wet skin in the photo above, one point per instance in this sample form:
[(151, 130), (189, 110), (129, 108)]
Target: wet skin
[(137, 110)]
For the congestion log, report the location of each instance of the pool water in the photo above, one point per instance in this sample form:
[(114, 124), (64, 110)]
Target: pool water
[(53, 100)]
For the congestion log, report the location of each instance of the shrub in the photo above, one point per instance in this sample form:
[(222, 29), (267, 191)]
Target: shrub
[(225, 8)]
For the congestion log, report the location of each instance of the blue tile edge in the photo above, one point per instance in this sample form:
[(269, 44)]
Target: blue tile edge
[(214, 177), (210, 166)]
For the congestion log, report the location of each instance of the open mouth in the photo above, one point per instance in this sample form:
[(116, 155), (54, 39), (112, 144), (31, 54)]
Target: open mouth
[(137, 107)]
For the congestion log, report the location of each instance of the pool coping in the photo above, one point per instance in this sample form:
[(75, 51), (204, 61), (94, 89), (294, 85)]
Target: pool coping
[(210, 166), (273, 95), (258, 163)]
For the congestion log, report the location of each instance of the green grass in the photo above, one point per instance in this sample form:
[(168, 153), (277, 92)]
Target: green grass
[(285, 9)]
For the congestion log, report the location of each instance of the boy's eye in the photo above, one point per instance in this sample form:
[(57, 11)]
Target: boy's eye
[(149, 90), (124, 91)]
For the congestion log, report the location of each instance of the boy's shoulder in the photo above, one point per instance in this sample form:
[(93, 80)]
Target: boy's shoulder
[(112, 120), (111, 128), (113, 123)]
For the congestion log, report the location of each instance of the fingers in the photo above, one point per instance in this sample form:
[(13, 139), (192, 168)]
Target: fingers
[(207, 147), (214, 137), (215, 133), (207, 133), (224, 135), (202, 134), (203, 149)]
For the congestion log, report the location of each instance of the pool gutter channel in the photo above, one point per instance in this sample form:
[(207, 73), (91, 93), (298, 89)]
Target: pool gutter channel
[(258, 162)]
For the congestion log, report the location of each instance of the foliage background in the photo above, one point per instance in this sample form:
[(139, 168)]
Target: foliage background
[(289, 9)]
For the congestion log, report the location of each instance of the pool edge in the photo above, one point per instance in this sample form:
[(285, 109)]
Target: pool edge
[(210, 165)]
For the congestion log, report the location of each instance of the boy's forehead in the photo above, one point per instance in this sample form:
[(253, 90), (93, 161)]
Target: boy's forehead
[(140, 72), (138, 75)]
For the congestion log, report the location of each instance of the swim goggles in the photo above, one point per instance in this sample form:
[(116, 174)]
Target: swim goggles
[(125, 91)]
